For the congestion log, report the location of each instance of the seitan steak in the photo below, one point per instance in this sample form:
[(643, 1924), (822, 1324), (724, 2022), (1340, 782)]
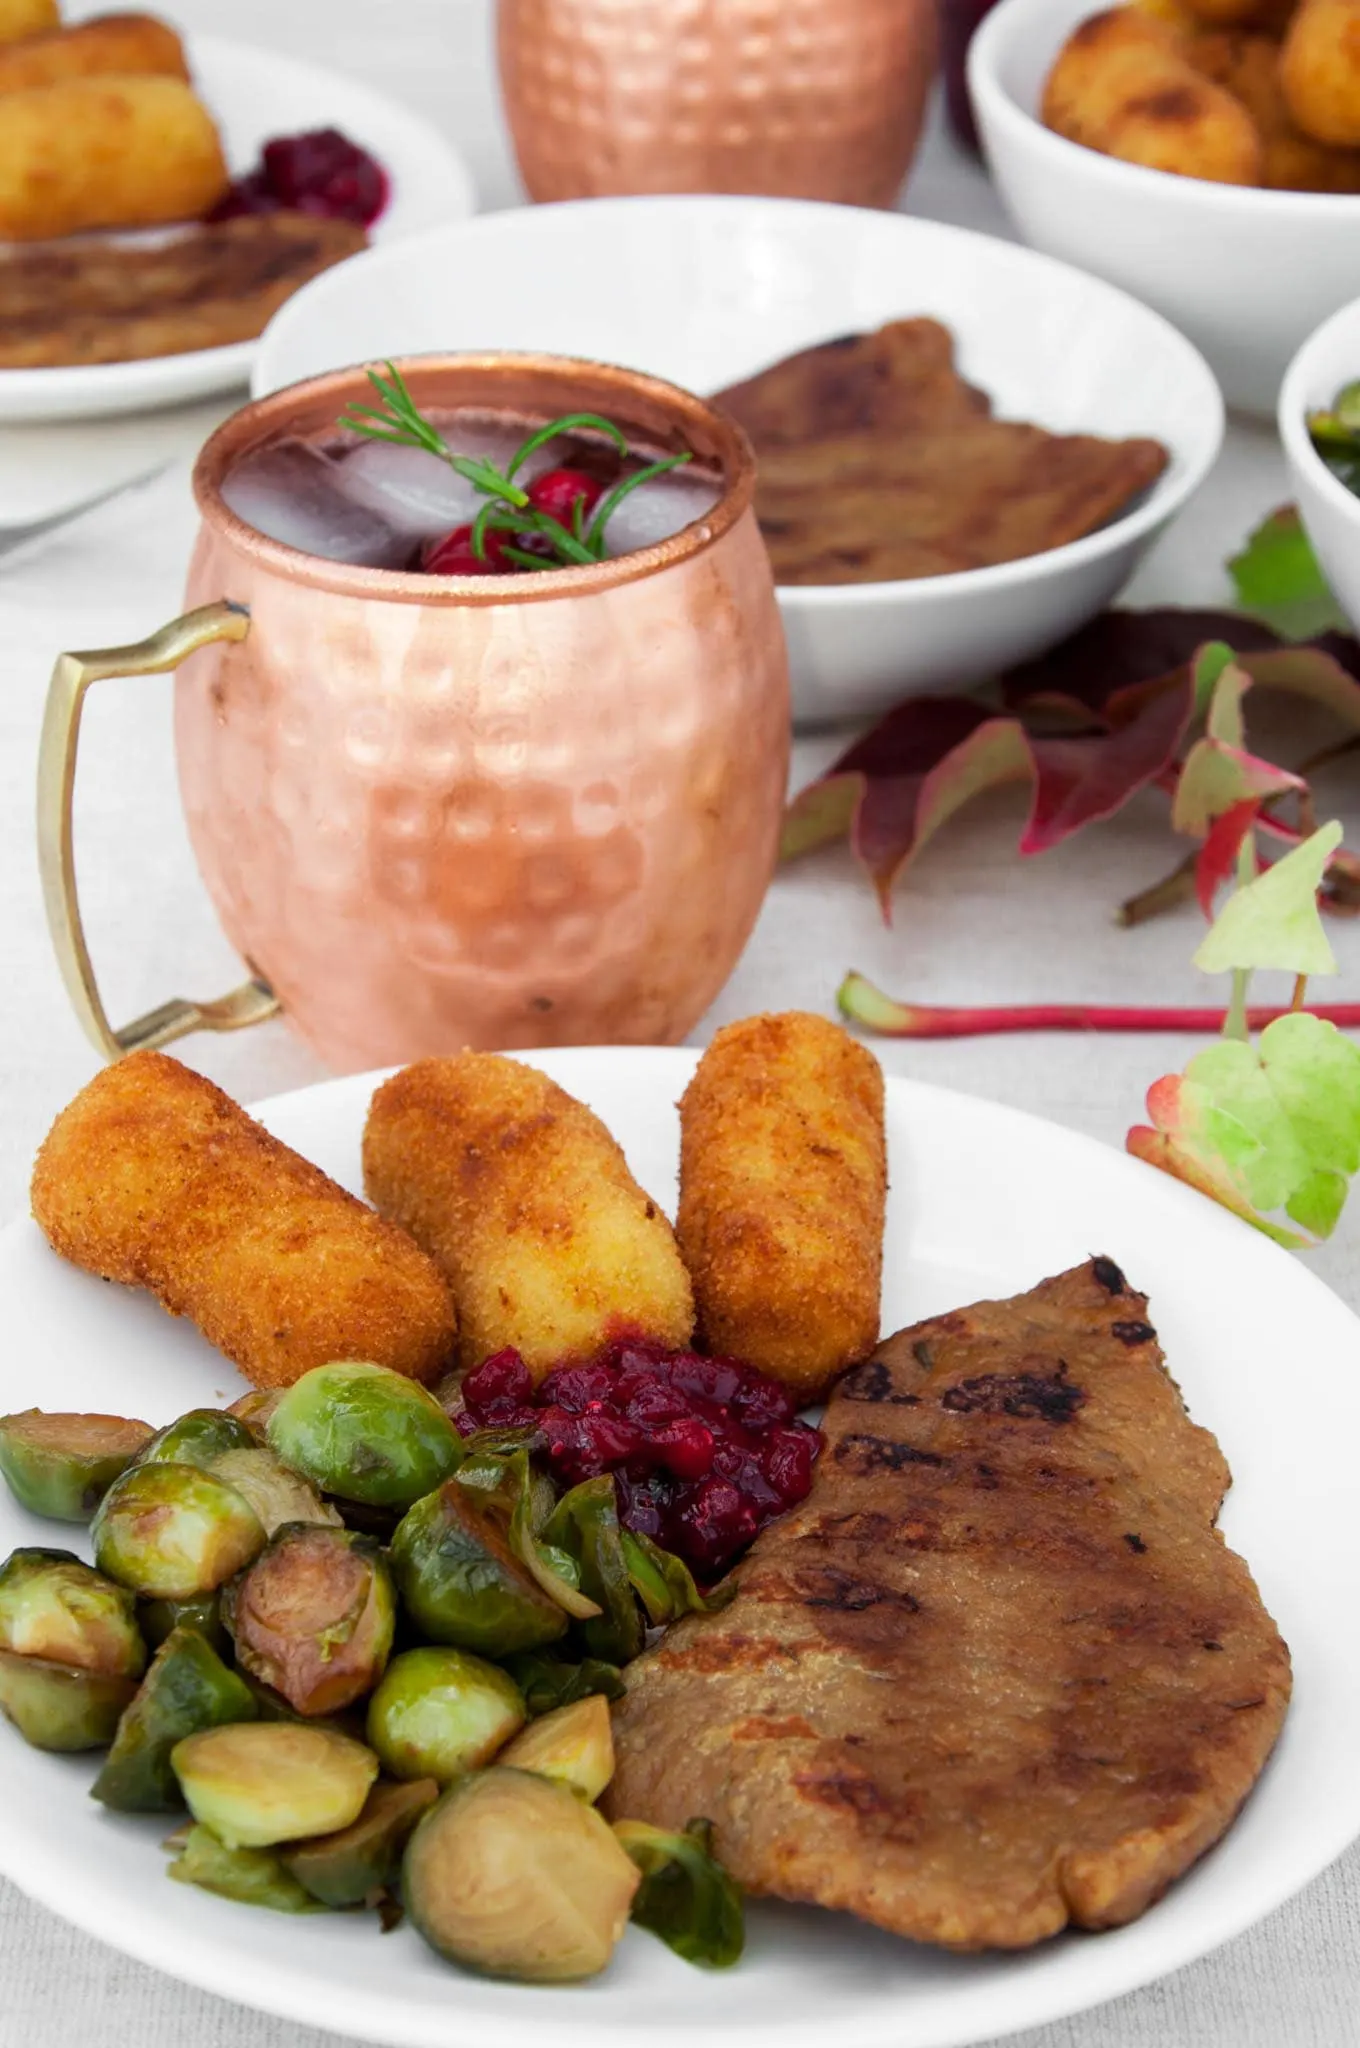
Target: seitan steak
[(999, 1672)]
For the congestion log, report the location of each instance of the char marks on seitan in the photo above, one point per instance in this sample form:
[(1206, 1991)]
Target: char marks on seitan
[(999, 1672)]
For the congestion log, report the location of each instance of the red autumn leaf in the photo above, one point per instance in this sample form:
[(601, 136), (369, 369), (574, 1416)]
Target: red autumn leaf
[(1120, 648), (1217, 857)]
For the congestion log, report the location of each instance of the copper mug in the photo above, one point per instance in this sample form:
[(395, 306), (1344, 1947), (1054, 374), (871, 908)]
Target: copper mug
[(804, 99), (436, 812)]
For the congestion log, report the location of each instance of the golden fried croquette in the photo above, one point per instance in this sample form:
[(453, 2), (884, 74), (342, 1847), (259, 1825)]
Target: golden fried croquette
[(1270, 16), (1320, 71), (20, 18), (1122, 85), (155, 1178), (526, 1203), (783, 1181), (128, 43), (112, 152), (1248, 66)]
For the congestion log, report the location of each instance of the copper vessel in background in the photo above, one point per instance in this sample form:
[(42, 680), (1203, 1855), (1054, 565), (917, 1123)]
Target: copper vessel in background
[(805, 99), (436, 812)]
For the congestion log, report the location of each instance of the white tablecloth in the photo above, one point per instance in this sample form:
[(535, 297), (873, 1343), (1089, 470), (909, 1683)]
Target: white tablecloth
[(974, 924)]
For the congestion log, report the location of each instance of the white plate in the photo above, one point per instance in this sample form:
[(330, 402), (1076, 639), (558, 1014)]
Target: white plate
[(255, 94), (984, 1201)]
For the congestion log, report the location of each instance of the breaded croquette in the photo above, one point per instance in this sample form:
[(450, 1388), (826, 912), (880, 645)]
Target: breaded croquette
[(783, 1182), (155, 1178), (1320, 71), (526, 1203), (129, 43), (19, 18), (1249, 67), (112, 152)]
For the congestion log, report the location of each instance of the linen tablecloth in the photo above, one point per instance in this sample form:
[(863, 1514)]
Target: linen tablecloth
[(973, 924)]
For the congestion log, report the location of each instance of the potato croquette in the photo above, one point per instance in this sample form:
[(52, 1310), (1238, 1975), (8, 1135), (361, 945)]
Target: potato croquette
[(19, 18), (155, 1178), (1248, 66), (130, 43), (1320, 71), (1122, 85), (525, 1202), (105, 153), (783, 1182)]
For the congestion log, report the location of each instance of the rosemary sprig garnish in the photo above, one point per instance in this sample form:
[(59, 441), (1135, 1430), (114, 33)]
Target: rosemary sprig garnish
[(398, 419)]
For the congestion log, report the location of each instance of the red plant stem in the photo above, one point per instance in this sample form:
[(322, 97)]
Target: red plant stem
[(925, 1021)]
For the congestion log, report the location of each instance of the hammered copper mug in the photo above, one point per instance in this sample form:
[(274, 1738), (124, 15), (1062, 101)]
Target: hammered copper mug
[(802, 99), (436, 812)]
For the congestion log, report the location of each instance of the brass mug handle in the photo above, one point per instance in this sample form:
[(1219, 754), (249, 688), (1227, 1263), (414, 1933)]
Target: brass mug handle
[(254, 1001)]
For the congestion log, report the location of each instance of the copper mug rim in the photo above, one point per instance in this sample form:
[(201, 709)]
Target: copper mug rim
[(312, 404)]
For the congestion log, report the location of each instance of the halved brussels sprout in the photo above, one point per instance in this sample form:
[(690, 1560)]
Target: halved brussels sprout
[(187, 1688), (314, 1617), (157, 1618), (59, 1706), (53, 1606), (261, 1782), (574, 1745), (664, 1583), (365, 1433), (462, 1584), (585, 1523), (253, 1877), (349, 1868), (548, 1682), (685, 1896), (173, 1532), (276, 1494), (497, 1468), (196, 1439), (513, 1875), (255, 1409), (440, 1712), (61, 1466)]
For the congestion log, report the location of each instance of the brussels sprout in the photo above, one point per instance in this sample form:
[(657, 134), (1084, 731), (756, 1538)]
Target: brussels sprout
[(348, 1868), (685, 1896), (61, 1466), (276, 1494), (314, 1617), (365, 1433), (253, 1877), (255, 1409), (585, 1523), (460, 1582), (53, 1606), (173, 1532), (496, 1467), (261, 1782), (187, 1688), (513, 1875), (156, 1619), (574, 1745), (440, 1712), (59, 1706), (664, 1583), (548, 1682), (196, 1439)]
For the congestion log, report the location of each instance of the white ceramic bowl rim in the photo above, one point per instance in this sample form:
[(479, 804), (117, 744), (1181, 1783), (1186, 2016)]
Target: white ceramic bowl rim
[(1298, 398), (1159, 503), (993, 43)]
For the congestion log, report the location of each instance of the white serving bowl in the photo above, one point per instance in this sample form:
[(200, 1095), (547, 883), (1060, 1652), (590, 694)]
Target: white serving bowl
[(1331, 514), (1246, 274), (707, 290)]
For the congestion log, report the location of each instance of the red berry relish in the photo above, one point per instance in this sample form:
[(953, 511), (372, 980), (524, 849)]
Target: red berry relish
[(322, 172), (704, 1451)]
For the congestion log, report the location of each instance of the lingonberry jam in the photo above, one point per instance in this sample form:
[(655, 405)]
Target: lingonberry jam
[(704, 1451), (321, 172)]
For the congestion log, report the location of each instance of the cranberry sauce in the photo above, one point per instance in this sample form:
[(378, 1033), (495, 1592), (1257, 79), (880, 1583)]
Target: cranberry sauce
[(322, 172), (704, 1451)]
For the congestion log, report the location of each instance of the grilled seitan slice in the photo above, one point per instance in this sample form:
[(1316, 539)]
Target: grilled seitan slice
[(1000, 1671)]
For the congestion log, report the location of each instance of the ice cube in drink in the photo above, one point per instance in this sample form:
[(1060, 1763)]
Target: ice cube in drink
[(291, 491)]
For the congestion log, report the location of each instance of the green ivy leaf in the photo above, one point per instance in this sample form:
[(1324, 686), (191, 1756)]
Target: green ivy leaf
[(1278, 579), (1274, 921)]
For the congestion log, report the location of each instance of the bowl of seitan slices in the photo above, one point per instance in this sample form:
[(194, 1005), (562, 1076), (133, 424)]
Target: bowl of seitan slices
[(963, 448)]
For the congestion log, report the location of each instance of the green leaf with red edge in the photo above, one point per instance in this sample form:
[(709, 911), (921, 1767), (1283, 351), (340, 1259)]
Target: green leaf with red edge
[(1265, 1128), (1278, 578), (1216, 778)]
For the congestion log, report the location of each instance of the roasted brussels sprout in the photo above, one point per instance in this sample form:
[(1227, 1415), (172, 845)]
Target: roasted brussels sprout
[(439, 1712), (314, 1617), (513, 1875), (196, 1439), (585, 1524), (156, 1619), (53, 1606), (188, 1688), (263, 1782), (365, 1433), (253, 1877), (685, 1896), (60, 1706), (61, 1466), (173, 1532), (574, 1745), (461, 1582), (348, 1868), (255, 1409), (548, 1682), (664, 1583), (497, 1468), (276, 1494)]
